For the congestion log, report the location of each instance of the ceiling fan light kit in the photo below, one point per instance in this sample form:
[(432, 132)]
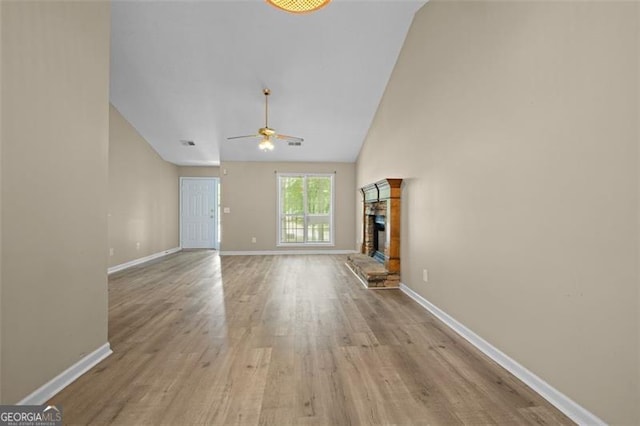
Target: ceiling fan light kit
[(266, 145), (268, 134), (299, 6)]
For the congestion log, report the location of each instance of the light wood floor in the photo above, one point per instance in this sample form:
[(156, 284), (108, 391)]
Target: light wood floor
[(284, 340)]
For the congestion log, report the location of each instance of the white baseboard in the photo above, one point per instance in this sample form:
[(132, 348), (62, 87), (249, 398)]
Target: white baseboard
[(364, 284), (277, 252), (135, 262), (68, 376), (562, 402)]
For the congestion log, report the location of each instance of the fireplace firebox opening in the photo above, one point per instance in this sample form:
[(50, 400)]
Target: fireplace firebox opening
[(379, 238)]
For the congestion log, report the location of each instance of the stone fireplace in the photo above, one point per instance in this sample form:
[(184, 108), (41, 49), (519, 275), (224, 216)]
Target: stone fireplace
[(374, 230), (378, 265)]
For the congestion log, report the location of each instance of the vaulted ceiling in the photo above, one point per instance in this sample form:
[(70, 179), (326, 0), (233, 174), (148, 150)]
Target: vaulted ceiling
[(195, 70)]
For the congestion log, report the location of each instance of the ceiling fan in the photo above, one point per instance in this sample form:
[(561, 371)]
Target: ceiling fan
[(268, 134)]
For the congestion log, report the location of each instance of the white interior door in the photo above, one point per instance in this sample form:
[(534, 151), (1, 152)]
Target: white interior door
[(198, 212)]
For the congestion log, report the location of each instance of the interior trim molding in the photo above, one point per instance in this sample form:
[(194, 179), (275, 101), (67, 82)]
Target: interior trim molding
[(570, 408), (135, 262), (68, 376), (277, 252), (356, 275)]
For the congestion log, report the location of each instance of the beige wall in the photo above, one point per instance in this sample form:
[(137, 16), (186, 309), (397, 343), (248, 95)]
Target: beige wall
[(143, 196), (199, 171), (515, 126), (249, 189), (55, 98)]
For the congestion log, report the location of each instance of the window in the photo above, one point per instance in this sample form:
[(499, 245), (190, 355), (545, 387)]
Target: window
[(305, 209)]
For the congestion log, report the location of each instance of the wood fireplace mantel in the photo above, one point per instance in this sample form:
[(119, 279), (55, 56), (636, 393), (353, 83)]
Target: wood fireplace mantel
[(382, 190), (382, 200)]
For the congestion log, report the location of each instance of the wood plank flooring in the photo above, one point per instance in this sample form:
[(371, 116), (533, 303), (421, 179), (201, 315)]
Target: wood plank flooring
[(284, 340)]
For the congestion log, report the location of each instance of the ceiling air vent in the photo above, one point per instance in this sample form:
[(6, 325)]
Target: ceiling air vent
[(187, 143)]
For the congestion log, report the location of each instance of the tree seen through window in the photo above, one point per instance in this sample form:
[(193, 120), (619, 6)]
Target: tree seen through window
[(305, 208)]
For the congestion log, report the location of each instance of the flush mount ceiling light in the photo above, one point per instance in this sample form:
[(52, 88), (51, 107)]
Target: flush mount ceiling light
[(299, 6)]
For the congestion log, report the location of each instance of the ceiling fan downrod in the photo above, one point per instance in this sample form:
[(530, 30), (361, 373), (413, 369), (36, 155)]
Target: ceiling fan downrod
[(266, 92)]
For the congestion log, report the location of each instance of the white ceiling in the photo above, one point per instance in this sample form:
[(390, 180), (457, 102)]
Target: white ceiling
[(195, 70)]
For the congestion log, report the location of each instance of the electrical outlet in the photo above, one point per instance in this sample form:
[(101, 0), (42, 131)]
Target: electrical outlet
[(425, 275), (227, 210), (138, 245), (111, 252), (254, 240)]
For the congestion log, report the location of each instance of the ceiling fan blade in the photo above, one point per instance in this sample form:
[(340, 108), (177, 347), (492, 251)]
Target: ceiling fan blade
[(244, 137), (289, 138)]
